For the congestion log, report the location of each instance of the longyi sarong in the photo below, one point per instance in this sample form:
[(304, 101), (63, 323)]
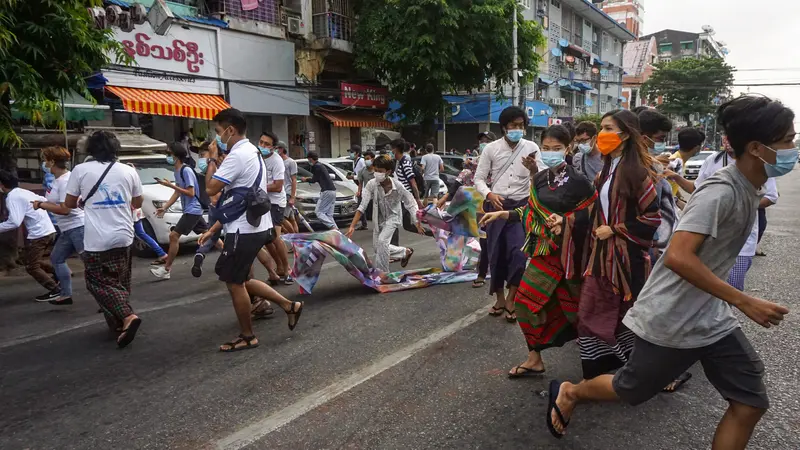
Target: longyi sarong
[(505, 240)]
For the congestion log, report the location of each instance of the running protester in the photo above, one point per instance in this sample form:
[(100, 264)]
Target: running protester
[(69, 221), (556, 220), (363, 178), (107, 191), (389, 197), (275, 174), (690, 141), (625, 218), (327, 195), (40, 232), (290, 185), (186, 188), (587, 158), (655, 128), (214, 242), (242, 167), (509, 162), (684, 313)]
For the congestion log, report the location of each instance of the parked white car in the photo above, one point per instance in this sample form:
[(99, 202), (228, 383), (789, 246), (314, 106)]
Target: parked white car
[(150, 166), (694, 164)]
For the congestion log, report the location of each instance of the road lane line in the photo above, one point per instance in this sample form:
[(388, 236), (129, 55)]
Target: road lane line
[(182, 301), (267, 425)]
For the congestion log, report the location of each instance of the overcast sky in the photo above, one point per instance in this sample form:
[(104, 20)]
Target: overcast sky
[(760, 34)]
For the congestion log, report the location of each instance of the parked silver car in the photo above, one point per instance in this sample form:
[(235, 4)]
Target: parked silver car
[(308, 194)]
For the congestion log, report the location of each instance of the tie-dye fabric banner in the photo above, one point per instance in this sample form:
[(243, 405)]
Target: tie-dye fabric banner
[(310, 250)]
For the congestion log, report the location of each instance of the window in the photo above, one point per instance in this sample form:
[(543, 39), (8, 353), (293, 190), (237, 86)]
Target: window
[(525, 3), (687, 45), (665, 48), (556, 4)]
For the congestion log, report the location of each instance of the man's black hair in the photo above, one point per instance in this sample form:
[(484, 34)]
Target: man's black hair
[(752, 118), (652, 121), (570, 127), (356, 149), (232, 117), (271, 135), (511, 114), (181, 153), (689, 138), (384, 162), (428, 148), (314, 156), (369, 153), (638, 110), (399, 144), (587, 127), (8, 179), (487, 134), (103, 146)]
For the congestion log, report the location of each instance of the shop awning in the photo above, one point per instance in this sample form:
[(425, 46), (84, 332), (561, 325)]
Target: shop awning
[(355, 120), (167, 103)]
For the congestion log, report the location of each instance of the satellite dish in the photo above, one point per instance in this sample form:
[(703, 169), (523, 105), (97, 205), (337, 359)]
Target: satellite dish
[(160, 17), (708, 29)]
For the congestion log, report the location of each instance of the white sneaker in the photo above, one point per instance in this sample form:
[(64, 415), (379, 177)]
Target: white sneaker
[(160, 272)]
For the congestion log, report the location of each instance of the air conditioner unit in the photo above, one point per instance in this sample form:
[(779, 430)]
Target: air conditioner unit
[(294, 25)]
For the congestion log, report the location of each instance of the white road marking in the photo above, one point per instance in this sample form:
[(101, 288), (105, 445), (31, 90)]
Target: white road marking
[(267, 425), (182, 301)]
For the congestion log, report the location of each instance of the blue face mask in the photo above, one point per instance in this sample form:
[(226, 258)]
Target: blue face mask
[(785, 160), (170, 160), (514, 135), (553, 159), (45, 169), (265, 151), (223, 147), (585, 148), (368, 163), (202, 164)]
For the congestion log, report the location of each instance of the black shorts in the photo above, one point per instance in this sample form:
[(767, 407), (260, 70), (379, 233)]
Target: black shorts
[(731, 365), (276, 212), (190, 222), (238, 253)]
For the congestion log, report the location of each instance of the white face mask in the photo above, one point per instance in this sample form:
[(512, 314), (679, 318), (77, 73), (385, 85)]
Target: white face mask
[(380, 177)]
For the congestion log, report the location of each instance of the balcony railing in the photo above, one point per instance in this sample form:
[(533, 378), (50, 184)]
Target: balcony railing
[(268, 10), (333, 19)]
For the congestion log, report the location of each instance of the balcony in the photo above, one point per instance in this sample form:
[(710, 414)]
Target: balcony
[(334, 24), (264, 20)]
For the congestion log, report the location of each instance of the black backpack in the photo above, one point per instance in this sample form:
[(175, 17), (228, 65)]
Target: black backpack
[(199, 189)]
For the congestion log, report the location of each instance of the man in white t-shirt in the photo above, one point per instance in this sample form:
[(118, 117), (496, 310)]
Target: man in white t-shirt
[(275, 173), (40, 231), (290, 185), (241, 168), (107, 190)]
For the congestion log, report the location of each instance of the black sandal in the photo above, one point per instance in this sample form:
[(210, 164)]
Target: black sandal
[(478, 283), (522, 372), (404, 261), (261, 309), (232, 346), (127, 334), (554, 389), (296, 314), (495, 312), (510, 319)]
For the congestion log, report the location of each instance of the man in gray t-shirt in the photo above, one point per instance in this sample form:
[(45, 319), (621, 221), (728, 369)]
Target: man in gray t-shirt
[(431, 164), (683, 315)]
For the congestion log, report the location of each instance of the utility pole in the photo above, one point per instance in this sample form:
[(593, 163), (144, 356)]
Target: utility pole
[(514, 62)]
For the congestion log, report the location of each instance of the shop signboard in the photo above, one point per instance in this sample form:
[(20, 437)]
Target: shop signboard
[(183, 60), (364, 96)]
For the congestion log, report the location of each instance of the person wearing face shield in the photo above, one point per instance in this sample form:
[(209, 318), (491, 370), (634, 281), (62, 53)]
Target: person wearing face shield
[(556, 221), (509, 163), (684, 313), (389, 197)]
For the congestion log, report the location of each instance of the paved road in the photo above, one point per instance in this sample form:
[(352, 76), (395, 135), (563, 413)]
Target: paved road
[(417, 369)]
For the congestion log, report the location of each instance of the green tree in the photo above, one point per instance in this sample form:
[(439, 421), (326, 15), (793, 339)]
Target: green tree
[(594, 118), (689, 86), (424, 48), (47, 48)]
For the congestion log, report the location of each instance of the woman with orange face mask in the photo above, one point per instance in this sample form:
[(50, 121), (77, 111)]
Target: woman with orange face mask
[(624, 219)]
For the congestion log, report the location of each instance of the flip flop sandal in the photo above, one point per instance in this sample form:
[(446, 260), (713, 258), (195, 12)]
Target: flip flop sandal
[(288, 280), (296, 314), (496, 312), (404, 261), (232, 346), (127, 335), (510, 319), (680, 381), (523, 372), (478, 283), (554, 389), (274, 282)]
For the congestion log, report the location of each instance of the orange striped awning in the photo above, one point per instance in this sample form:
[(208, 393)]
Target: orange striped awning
[(355, 120), (168, 103)]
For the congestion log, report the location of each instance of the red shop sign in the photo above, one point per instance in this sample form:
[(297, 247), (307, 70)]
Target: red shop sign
[(180, 51), (364, 96)]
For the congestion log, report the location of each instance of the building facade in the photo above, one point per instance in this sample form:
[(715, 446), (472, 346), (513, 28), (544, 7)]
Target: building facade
[(629, 13), (638, 61), (582, 71), (675, 44)]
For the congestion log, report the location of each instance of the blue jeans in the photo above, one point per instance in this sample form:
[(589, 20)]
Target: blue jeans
[(209, 244), (138, 228), (69, 242)]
